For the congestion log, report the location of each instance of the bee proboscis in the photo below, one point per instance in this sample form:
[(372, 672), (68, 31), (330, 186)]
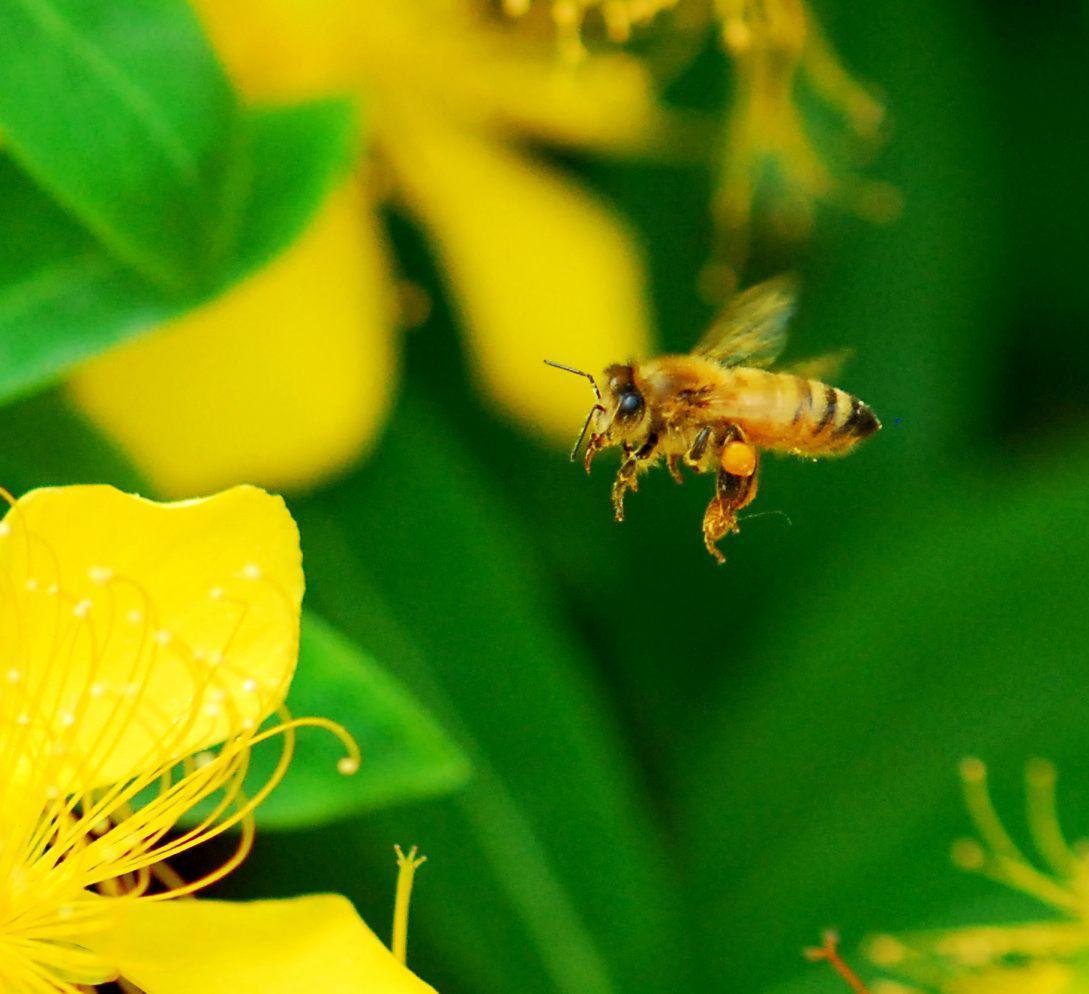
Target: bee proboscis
[(716, 408)]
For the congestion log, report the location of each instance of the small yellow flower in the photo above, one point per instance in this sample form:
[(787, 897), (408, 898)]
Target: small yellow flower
[(776, 46), (1048, 957), (771, 169), (143, 648), (288, 377)]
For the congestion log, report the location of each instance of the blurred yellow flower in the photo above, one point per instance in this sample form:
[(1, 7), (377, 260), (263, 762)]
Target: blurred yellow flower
[(770, 165), (287, 378), (144, 646), (775, 46), (1048, 957)]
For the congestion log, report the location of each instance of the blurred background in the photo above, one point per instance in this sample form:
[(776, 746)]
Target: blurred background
[(325, 250)]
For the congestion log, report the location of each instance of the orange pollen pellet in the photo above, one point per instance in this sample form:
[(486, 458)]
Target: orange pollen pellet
[(739, 459)]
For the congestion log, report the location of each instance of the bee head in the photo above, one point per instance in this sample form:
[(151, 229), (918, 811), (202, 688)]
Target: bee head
[(624, 401), (617, 412)]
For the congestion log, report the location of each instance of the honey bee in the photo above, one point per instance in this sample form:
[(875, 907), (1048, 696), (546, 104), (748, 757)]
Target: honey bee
[(716, 408)]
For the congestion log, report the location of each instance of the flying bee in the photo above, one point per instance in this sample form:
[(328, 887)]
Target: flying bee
[(716, 408)]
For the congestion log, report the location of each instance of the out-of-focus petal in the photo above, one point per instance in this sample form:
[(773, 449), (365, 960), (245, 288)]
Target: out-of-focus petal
[(275, 947), (475, 72), (282, 381), (519, 86), (448, 58), (540, 269), (279, 49), (136, 633)]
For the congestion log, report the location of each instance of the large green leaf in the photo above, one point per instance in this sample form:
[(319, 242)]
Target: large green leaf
[(405, 754), (64, 298), (549, 852), (119, 109)]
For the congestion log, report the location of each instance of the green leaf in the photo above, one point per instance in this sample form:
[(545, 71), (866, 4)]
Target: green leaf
[(549, 852), (119, 109), (295, 156), (63, 298), (406, 755)]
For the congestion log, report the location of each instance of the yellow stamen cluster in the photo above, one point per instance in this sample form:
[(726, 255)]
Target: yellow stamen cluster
[(1065, 885), (770, 164), (98, 764), (776, 47), (571, 18), (1032, 958)]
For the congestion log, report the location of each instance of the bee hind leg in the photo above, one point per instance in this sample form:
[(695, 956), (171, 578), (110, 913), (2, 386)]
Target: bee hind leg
[(732, 493)]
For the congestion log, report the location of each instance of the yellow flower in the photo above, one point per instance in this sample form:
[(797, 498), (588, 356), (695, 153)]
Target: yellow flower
[(776, 47), (771, 167), (1048, 957), (287, 378), (144, 646)]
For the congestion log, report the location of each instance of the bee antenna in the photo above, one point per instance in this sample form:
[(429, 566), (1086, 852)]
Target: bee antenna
[(585, 426), (577, 372)]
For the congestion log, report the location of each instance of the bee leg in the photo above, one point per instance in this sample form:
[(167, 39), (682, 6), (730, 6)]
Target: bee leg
[(674, 471), (694, 456), (720, 517), (593, 447), (739, 458), (627, 478), (735, 488), (625, 481)]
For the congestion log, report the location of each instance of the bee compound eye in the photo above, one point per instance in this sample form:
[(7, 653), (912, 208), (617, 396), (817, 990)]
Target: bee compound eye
[(631, 402)]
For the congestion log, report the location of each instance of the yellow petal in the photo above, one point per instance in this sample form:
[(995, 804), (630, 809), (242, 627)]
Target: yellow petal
[(540, 269), (282, 381), (135, 633), (273, 947), (278, 49), (448, 58), (606, 102)]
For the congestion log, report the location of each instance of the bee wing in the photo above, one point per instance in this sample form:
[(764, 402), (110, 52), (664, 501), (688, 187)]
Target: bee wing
[(751, 330), (822, 367)]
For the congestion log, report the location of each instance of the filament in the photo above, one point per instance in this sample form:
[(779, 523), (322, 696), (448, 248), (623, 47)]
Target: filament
[(406, 874)]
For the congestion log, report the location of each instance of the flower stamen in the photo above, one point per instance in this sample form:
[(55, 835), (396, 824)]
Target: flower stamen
[(108, 735), (406, 874), (828, 952)]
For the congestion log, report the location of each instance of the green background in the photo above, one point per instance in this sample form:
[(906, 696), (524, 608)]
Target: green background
[(680, 774)]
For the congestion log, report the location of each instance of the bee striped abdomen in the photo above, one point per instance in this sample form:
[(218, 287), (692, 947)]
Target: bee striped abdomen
[(841, 420), (790, 413), (803, 407), (825, 419), (859, 423), (831, 404)]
